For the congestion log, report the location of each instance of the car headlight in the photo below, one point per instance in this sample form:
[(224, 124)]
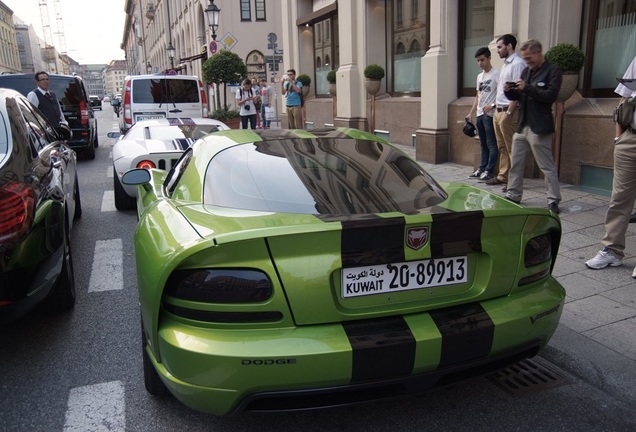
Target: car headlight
[(220, 285)]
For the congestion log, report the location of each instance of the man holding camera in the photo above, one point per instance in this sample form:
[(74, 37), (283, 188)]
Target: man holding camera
[(536, 91), (291, 90)]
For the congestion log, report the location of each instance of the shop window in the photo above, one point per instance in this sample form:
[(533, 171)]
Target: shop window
[(478, 31), (325, 47)]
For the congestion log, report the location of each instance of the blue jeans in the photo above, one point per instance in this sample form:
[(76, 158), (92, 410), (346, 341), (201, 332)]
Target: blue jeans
[(488, 143)]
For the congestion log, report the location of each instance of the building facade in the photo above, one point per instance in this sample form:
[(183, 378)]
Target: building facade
[(427, 49), (9, 55), (114, 77), (244, 27)]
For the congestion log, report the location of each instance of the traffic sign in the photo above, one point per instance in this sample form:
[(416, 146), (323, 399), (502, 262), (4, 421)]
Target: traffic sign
[(213, 47), (272, 46), (273, 59), (272, 38), (278, 51)]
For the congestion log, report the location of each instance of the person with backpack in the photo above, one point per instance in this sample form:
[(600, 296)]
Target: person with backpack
[(245, 99), (292, 90)]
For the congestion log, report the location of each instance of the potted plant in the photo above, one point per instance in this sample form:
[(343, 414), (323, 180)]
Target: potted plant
[(331, 79), (570, 59), (305, 81), (231, 117), (373, 74)]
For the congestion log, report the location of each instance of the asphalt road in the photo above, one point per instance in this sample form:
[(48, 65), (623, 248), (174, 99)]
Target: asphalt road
[(82, 370)]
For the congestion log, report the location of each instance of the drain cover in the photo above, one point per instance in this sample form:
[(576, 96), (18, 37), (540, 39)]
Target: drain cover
[(529, 375)]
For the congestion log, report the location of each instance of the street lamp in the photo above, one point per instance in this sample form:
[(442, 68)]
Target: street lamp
[(171, 53), (213, 13), (148, 68)]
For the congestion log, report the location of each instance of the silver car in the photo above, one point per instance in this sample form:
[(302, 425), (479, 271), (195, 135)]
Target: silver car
[(154, 144)]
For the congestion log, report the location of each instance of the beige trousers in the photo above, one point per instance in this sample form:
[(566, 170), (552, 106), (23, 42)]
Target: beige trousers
[(504, 130)]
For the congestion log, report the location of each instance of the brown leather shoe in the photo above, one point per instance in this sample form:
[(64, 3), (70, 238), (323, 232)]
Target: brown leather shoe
[(494, 181)]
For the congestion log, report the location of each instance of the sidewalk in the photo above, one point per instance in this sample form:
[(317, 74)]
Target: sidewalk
[(597, 331)]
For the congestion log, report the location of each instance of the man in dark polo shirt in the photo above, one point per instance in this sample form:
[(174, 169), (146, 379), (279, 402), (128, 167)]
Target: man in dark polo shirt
[(46, 101)]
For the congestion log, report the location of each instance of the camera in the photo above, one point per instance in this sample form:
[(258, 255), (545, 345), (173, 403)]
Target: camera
[(247, 107), (511, 84)]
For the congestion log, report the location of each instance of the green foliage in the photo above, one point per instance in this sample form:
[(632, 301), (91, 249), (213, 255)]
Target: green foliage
[(224, 114), (224, 67), (567, 56), (331, 77), (304, 79), (374, 72)]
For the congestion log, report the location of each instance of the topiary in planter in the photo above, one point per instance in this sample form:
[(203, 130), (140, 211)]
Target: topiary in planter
[(304, 79), (374, 72), (331, 77), (568, 57)]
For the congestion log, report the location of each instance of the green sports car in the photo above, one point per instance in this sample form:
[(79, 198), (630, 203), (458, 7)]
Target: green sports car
[(290, 269)]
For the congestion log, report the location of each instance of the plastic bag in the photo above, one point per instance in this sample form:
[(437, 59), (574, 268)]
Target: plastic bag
[(269, 113)]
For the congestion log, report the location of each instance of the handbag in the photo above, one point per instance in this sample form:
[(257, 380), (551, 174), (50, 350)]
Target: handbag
[(469, 128), (269, 113), (624, 112)]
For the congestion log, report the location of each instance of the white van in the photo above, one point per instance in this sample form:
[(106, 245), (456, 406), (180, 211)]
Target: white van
[(159, 96)]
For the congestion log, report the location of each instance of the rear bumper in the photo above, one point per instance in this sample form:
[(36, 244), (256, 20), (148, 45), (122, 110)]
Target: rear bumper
[(224, 371)]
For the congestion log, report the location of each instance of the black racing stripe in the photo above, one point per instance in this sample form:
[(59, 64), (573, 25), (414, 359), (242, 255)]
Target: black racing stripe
[(182, 143), (467, 333), (372, 241), (382, 348), (456, 233)]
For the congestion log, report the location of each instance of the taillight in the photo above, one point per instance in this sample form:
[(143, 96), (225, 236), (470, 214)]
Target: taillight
[(204, 98), (220, 286), (126, 103), (17, 204), (84, 112), (538, 250), (146, 164)]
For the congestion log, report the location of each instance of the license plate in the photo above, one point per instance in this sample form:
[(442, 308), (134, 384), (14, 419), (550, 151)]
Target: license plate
[(404, 276), (149, 117)]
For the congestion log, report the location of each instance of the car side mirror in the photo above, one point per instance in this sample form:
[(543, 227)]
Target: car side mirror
[(136, 176), (113, 134)]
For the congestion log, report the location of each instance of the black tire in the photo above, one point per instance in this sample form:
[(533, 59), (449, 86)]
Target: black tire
[(152, 382), (78, 201), (89, 152), (63, 295), (123, 201), (96, 140)]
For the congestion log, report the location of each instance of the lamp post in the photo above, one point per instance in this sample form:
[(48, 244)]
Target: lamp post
[(148, 68), (171, 53), (213, 12)]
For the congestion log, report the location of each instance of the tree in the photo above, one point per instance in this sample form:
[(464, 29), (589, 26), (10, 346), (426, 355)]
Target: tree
[(222, 68)]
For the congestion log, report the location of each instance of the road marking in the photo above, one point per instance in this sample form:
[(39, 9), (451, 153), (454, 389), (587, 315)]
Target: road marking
[(108, 201), (98, 407), (109, 172), (108, 267)]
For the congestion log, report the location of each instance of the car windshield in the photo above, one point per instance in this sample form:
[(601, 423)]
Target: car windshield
[(158, 90), (327, 176)]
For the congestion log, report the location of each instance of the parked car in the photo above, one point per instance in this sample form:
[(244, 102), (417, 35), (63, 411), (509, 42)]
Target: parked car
[(157, 96), (285, 270), (39, 200), (106, 99), (154, 144), (71, 93), (96, 103)]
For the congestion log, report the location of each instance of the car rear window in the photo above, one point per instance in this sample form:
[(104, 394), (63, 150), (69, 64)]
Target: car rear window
[(160, 90), (328, 176)]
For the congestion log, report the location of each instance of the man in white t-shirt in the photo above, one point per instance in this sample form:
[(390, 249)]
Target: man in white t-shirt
[(484, 108)]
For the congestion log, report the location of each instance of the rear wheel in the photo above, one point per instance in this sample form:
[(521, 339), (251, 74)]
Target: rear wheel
[(89, 152), (152, 382), (78, 201), (122, 200), (63, 295)]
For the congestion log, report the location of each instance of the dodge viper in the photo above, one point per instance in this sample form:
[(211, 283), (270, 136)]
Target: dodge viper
[(291, 269)]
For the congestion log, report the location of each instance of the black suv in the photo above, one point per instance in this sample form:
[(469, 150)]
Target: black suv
[(77, 108), (96, 102)]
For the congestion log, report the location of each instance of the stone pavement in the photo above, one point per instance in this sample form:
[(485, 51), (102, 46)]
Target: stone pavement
[(597, 331)]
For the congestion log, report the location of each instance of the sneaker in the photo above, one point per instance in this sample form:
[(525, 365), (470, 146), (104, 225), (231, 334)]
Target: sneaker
[(485, 177), (476, 174), (604, 258), (634, 273)]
